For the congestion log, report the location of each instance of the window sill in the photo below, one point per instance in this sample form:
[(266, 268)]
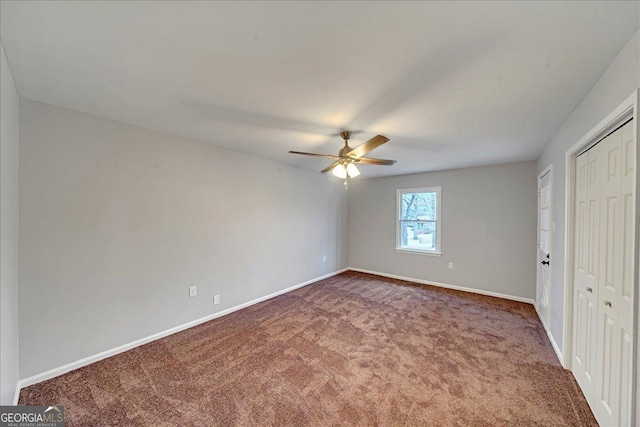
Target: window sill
[(409, 251)]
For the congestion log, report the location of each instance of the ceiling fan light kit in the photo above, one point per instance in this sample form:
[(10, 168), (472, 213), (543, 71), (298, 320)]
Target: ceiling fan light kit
[(340, 171), (344, 164), (352, 170)]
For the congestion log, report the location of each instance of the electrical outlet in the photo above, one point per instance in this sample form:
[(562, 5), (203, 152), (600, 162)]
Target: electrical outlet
[(216, 299), (450, 266), (193, 291), (324, 258)]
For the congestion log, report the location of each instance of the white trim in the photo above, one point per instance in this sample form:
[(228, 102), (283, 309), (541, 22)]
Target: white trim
[(419, 252), (546, 171), (445, 285), (552, 340), (43, 376), (434, 189), (556, 347), (16, 394)]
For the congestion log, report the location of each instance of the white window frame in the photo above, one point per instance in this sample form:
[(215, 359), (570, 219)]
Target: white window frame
[(438, 220)]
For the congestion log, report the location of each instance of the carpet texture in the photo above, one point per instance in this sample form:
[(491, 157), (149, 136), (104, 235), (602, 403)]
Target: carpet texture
[(354, 349)]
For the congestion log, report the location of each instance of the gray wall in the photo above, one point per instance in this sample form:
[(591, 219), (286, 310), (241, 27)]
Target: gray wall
[(488, 228), (117, 222), (8, 233), (614, 86)]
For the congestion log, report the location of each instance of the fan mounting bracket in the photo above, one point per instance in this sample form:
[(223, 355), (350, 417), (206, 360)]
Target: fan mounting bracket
[(346, 134)]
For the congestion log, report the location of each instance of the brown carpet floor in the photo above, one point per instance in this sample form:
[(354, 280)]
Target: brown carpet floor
[(354, 349)]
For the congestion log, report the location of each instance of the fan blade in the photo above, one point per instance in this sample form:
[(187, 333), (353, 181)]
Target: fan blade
[(374, 142), (326, 156), (370, 161), (331, 166)]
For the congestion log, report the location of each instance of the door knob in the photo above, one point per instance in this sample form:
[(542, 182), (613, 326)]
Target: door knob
[(544, 262), (589, 290), (607, 303)]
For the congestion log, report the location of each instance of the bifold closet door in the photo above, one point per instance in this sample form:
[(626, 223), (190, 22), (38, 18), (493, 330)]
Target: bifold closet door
[(615, 298), (586, 261), (625, 293), (603, 287)]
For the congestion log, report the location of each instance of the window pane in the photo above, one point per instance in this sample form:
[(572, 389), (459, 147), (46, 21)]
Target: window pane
[(418, 235), (419, 206)]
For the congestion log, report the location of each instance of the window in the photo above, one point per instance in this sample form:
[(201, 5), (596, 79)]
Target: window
[(418, 226)]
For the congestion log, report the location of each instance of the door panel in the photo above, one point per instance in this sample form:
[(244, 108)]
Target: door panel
[(628, 214), (614, 307), (606, 407), (589, 354), (611, 232), (585, 289), (625, 291), (627, 248), (607, 375), (625, 358)]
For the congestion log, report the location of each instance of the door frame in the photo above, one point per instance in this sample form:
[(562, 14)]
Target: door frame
[(627, 110), (545, 171)]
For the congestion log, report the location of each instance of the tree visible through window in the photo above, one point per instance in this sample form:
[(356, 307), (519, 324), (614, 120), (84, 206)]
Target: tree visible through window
[(419, 220)]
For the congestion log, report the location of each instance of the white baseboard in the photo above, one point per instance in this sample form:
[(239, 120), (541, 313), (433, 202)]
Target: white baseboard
[(554, 344), (16, 394), (445, 285), (52, 373)]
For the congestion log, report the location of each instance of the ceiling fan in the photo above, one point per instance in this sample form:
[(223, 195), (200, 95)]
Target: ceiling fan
[(344, 164)]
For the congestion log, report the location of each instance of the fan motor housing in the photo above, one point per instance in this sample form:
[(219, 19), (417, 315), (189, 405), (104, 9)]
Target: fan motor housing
[(344, 150), (345, 134)]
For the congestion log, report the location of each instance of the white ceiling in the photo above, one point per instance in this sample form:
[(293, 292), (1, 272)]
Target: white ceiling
[(452, 84)]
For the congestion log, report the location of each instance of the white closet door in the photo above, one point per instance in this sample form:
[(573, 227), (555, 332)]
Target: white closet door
[(603, 274), (624, 292), (586, 273), (607, 386)]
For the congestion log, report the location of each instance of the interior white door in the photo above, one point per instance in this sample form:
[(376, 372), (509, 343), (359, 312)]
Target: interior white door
[(586, 266), (606, 402), (614, 360), (603, 276), (625, 292), (544, 247)]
